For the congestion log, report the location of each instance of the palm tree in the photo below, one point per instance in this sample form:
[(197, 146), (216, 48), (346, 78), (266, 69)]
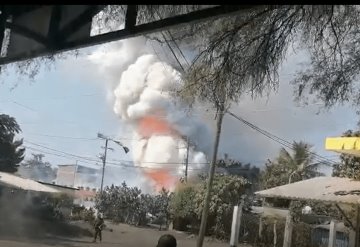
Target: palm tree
[(300, 164), (291, 167)]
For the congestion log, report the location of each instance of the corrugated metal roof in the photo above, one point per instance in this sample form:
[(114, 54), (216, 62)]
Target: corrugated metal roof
[(25, 184), (328, 189)]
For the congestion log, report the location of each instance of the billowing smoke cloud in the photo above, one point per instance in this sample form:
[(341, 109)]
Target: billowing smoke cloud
[(113, 59), (160, 124)]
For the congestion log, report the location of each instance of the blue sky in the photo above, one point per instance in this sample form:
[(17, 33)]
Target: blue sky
[(61, 105), (64, 108)]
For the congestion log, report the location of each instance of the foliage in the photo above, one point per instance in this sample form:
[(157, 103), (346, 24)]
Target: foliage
[(129, 205), (236, 168), (35, 168), (82, 213), (349, 166), (162, 203), (182, 204), (226, 193), (243, 52), (11, 152), (317, 208), (301, 234), (290, 167), (50, 207)]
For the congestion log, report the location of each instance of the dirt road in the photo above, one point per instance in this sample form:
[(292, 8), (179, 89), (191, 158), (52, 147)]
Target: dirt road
[(122, 235)]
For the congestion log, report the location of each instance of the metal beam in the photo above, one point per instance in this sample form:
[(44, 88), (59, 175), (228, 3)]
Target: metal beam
[(130, 18), (3, 16), (80, 21), (18, 10), (54, 24), (164, 24), (28, 33)]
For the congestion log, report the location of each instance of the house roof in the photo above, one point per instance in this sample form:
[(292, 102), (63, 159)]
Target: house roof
[(23, 183), (326, 189), (58, 186)]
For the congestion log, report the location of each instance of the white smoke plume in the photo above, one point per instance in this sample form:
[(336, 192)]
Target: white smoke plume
[(160, 124)]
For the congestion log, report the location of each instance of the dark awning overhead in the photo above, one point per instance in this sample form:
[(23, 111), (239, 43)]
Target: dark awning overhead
[(40, 30)]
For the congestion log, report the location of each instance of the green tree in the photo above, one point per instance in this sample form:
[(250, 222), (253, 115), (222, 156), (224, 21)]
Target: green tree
[(11, 152), (235, 167), (252, 45), (129, 205), (225, 194), (187, 204), (290, 167), (36, 168), (349, 165), (182, 204), (162, 201)]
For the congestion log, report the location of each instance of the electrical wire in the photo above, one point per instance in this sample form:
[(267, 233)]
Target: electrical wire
[(281, 141)]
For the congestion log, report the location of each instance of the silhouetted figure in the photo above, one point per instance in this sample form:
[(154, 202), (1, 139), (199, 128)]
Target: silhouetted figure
[(167, 240), (98, 225)]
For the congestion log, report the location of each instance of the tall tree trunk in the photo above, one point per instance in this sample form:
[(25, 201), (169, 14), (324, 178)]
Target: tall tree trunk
[(205, 211)]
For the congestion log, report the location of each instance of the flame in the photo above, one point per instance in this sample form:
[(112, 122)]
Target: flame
[(156, 125), (162, 178), (150, 125)]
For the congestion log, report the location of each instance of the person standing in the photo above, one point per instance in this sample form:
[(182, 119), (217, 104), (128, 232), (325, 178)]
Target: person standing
[(98, 225)]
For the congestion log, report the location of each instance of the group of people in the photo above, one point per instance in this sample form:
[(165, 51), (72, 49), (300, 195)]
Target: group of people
[(166, 240)]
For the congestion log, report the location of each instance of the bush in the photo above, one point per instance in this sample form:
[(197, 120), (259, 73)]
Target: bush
[(82, 213), (301, 234)]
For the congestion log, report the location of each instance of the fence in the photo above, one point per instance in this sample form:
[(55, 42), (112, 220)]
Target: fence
[(272, 233), (320, 237)]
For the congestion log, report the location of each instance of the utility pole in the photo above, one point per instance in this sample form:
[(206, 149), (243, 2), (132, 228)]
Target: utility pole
[(103, 168), (75, 171), (187, 158), (107, 139)]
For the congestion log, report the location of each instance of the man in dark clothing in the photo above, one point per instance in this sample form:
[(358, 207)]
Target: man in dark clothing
[(99, 224), (167, 240)]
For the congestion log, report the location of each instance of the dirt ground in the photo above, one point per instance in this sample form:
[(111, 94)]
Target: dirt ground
[(121, 235)]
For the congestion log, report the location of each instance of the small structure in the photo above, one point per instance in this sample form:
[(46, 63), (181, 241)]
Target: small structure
[(66, 175), (325, 189)]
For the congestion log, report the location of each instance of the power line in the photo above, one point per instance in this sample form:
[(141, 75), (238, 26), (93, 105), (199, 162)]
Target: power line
[(65, 153), (64, 137), (129, 166), (91, 159), (88, 159), (177, 46), (54, 98), (280, 140)]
